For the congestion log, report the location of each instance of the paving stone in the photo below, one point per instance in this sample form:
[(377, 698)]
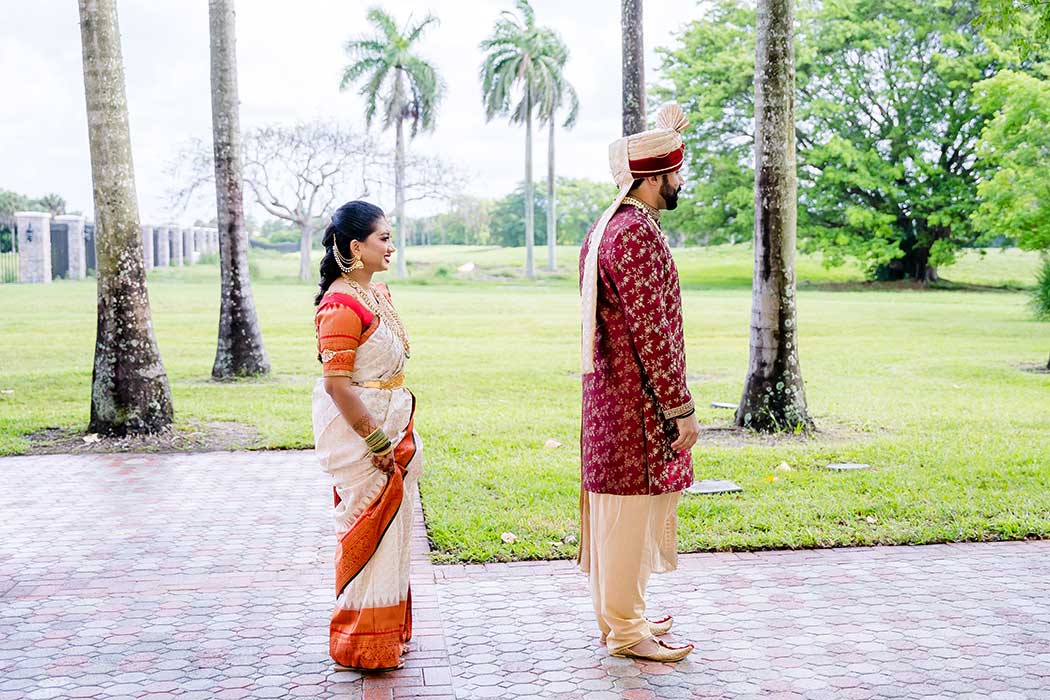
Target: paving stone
[(174, 589)]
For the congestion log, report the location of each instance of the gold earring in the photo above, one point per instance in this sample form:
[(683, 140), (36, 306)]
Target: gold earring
[(347, 266)]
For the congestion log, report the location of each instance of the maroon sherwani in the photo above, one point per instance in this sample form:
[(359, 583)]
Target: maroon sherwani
[(638, 388)]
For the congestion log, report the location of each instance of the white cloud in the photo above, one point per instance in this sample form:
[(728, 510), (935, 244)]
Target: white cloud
[(290, 60)]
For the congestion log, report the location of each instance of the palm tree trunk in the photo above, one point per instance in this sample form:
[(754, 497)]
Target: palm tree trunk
[(240, 351), (399, 197), (530, 213), (774, 396), (129, 387), (552, 203), (633, 67)]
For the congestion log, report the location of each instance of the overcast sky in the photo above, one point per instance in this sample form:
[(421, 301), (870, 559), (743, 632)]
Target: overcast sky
[(290, 59)]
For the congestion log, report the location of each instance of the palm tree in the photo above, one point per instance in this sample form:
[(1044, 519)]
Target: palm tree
[(633, 75), (405, 86), (774, 397), (240, 350), (523, 64), (562, 94), (129, 388)]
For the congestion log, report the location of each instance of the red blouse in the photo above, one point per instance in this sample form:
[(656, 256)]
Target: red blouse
[(342, 323)]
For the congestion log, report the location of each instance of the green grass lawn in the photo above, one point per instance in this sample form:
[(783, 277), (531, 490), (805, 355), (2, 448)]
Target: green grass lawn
[(925, 386)]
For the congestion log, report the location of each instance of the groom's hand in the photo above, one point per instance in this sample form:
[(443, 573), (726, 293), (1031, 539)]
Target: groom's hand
[(688, 432)]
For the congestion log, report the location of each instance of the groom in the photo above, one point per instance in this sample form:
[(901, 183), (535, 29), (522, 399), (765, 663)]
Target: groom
[(639, 422)]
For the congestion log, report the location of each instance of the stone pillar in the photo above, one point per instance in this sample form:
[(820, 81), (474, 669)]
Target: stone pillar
[(34, 246), (187, 246), (147, 245), (176, 246), (75, 238), (213, 233), (163, 246), (198, 242)]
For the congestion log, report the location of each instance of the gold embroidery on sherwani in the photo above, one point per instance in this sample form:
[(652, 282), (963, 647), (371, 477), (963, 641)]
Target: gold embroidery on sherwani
[(638, 386)]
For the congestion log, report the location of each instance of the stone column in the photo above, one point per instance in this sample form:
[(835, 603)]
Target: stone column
[(213, 233), (163, 246), (187, 246), (147, 245), (176, 246), (75, 238), (34, 246)]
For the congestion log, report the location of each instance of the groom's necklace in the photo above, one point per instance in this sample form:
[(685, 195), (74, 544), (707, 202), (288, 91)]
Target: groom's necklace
[(651, 213), (381, 307)]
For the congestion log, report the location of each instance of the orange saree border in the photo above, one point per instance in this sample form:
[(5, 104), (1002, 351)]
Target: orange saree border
[(372, 638)]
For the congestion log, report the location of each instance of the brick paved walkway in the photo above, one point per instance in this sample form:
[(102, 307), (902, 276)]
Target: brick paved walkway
[(208, 576)]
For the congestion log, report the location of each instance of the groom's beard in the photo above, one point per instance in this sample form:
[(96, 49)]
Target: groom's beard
[(670, 195)]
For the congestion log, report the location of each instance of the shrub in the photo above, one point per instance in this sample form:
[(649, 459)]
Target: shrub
[(1041, 293)]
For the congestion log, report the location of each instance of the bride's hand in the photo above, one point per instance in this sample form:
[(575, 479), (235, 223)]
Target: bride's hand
[(384, 463)]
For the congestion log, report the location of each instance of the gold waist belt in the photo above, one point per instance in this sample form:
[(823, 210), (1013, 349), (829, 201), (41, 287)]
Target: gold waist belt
[(395, 382)]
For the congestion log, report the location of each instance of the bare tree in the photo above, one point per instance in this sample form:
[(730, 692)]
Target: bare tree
[(774, 396), (129, 388), (633, 67), (300, 173), (297, 173), (240, 350), (426, 178)]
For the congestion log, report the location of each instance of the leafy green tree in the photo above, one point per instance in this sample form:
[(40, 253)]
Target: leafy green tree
[(509, 223), (711, 74), (581, 202), (523, 62), (405, 86), (1028, 21), (52, 203), (1014, 150), (886, 126)]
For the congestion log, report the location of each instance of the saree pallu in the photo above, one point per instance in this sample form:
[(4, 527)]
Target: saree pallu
[(373, 512)]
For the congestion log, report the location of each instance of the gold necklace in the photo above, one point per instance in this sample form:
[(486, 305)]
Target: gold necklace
[(379, 305), (651, 213)]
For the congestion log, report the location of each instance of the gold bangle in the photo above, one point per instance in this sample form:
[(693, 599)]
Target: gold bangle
[(387, 450), (376, 438)]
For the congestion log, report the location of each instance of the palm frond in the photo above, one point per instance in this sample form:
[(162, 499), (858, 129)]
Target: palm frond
[(574, 106), (525, 8), (364, 48), (384, 23), (371, 92), (418, 30), (400, 84), (354, 71)]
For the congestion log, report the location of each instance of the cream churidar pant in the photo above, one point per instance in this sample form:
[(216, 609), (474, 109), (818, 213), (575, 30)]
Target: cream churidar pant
[(623, 540)]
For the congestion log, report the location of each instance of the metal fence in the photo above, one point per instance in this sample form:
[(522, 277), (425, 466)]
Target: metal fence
[(59, 251), (8, 252)]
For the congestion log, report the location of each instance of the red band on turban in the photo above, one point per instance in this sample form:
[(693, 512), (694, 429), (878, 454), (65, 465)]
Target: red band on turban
[(644, 167)]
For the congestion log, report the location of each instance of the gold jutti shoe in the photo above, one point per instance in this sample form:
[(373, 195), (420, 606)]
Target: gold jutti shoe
[(656, 628), (664, 653)]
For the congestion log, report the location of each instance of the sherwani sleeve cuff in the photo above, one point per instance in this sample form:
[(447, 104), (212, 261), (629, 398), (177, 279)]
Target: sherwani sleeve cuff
[(680, 411)]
